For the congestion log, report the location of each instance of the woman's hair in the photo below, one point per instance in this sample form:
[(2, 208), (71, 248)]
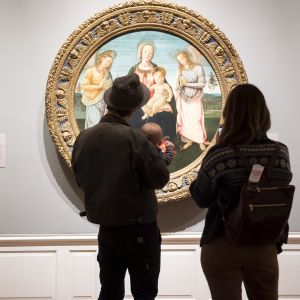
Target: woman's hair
[(141, 47), (100, 56), (246, 115), (189, 60)]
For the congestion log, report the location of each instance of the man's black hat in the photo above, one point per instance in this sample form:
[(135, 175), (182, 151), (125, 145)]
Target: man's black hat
[(127, 93)]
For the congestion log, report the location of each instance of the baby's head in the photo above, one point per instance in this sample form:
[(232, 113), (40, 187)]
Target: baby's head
[(154, 132), (159, 75)]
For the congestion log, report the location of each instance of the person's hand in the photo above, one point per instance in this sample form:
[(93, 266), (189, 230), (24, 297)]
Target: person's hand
[(218, 134), (103, 84), (170, 146), (182, 81)]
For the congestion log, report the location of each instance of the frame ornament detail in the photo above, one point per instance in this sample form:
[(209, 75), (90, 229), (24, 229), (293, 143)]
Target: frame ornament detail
[(119, 20)]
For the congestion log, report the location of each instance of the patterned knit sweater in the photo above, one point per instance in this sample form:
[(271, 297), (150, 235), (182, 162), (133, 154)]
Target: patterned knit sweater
[(222, 174)]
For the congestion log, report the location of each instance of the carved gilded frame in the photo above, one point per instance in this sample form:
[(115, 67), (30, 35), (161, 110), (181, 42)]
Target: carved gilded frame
[(116, 21)]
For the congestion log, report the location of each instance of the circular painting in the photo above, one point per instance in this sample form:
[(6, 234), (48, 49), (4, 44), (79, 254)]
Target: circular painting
[(186, 62)]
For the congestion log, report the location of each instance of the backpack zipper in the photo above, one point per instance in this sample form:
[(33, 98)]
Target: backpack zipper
[(258, 189), (252, 206)]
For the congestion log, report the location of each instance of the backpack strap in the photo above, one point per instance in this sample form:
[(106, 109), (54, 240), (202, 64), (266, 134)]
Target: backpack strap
[(242, 157), (273, 159), (246, 163)]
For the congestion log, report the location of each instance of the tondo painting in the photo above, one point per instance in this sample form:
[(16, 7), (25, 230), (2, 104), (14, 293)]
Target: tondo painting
[(185, 61)]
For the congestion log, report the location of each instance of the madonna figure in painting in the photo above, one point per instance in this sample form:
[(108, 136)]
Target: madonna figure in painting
[(190, 82), (166, 116)]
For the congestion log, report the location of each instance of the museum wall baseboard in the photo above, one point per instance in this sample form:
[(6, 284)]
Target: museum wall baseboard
[(64, 267)]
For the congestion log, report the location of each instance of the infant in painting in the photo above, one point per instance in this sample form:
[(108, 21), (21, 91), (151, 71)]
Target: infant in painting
[(161, 97)]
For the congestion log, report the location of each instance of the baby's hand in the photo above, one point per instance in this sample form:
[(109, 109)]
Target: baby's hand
[(171, 146)]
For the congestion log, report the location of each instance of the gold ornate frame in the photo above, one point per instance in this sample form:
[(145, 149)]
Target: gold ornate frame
[(118, 20)]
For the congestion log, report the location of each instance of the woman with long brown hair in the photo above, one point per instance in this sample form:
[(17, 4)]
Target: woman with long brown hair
[(227, 265)]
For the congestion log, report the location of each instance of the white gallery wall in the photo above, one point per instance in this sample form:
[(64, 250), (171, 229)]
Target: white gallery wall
[(37, 192), (46, 250)]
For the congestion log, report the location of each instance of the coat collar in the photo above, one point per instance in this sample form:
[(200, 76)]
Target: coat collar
[(114, 118)]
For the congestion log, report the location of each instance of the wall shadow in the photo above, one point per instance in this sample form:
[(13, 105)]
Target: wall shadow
[(61, 172), (181, 216)]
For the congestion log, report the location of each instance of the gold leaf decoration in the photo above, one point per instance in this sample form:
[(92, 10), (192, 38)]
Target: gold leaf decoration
[(87, 40), (60, 96), (228, 70), (67, 136), (74, 53), (172, 186), (166, 18), (217, 51), (188, 179), (182, 24), (145, 16), (105, 27), (125, 19), (72, 63), (65, 74), (62, 115), (231, 83), (205, 37)]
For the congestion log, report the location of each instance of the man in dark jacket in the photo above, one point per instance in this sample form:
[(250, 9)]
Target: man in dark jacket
[(118, 170)]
